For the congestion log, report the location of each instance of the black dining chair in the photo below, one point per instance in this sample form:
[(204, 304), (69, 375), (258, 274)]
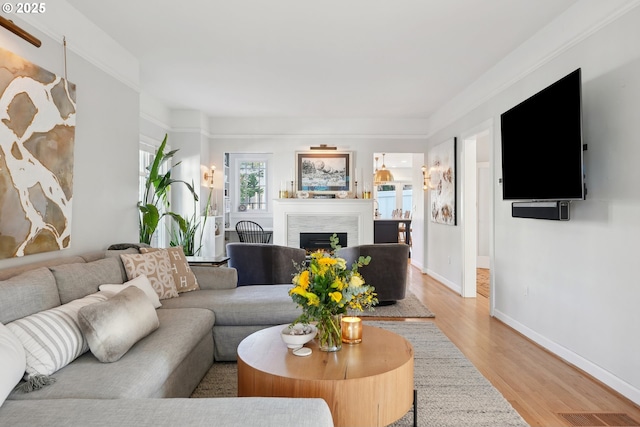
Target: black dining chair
[(252, 232)]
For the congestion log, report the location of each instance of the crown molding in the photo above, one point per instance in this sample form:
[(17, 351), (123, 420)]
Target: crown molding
[(192, 130), (154, 121), (318, 136)]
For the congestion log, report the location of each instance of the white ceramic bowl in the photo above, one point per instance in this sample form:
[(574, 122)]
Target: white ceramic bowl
[(298, 340)]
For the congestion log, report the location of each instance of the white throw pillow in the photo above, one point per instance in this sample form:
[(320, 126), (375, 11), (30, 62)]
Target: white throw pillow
[(52, 339), (14, 362), (112, 327), (140, 282)]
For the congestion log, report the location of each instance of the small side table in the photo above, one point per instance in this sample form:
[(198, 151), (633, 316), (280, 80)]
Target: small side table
[(212, 261)]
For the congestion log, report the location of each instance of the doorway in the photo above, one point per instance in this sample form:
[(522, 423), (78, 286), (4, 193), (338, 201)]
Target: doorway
[(483, 192), (477, 201), (403, 197)]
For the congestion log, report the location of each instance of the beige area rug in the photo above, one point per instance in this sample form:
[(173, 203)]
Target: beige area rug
[(408, 307), (451, 391), (482, 281)]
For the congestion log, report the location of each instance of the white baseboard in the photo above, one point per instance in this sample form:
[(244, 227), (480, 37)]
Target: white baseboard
[(569, 356), (449, 284)]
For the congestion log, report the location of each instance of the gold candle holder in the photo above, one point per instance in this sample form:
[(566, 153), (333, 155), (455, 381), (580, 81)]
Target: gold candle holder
[(351, 330), (284, 192), (366, 191)]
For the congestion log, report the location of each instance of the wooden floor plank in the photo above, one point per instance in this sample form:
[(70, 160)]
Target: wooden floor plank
[(538, 384)]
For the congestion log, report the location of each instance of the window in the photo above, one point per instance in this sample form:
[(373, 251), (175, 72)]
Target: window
[(386, 197), (146, 156), (394, 197), (252, 178)]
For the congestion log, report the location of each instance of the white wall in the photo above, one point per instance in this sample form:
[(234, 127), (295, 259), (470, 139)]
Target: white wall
[(105, 189), (570, 286), (283, 137)]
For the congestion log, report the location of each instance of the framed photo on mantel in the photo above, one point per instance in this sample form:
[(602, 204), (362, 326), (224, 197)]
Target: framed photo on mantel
[(324, 172)]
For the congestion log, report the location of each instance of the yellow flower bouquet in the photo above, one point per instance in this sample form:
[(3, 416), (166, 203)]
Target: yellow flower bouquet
[(325, 288)]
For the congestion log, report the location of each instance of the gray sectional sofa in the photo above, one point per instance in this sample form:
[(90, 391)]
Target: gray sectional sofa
[(195, 329)]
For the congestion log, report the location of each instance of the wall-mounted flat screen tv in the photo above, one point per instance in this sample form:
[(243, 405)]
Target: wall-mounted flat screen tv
[(542, 144)]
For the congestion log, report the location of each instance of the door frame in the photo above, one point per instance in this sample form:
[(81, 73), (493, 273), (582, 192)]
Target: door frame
[(469, 222)]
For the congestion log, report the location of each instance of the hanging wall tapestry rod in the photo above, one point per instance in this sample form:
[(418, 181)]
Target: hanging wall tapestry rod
[(9, 25)]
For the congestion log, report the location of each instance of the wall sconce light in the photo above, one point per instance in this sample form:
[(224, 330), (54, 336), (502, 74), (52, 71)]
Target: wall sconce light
[(426, 177), (209, 176), (323, 147)]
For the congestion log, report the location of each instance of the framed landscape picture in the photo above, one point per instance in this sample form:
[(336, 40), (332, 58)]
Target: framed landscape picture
[(323, 172)]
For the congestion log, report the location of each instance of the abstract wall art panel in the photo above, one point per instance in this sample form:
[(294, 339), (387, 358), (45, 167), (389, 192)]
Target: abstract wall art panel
[(442, 174), (37, 131)]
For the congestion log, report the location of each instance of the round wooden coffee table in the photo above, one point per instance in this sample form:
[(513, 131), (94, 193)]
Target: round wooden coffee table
[(367, 384)]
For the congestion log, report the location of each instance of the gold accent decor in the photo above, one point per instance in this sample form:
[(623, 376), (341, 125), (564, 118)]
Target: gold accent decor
[(382, 175)]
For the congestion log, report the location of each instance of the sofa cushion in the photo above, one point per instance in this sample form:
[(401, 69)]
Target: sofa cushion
[(13, 363), (183, 277), (80, 279), (157, 267), (141, 282), (245, 305), (27, 293), (8, 272), (215, 278), (146, 370), (52, 338), (223, 411), (112, 327)]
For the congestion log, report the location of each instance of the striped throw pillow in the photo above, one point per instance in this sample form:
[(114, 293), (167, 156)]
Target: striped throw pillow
[(52, 338)]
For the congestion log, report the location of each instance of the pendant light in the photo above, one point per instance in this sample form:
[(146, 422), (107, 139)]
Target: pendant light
[(382, 175)]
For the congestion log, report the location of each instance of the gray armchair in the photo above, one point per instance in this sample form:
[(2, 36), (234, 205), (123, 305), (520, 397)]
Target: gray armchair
[(264, 264), (387, 271)]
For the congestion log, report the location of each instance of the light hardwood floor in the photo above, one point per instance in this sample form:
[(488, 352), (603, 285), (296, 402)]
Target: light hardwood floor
[(538, 384)]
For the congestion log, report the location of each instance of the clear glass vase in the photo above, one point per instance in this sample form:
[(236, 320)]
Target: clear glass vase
[(330, 332)]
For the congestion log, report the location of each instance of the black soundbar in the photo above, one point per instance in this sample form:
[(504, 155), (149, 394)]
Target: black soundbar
[(558, 211)]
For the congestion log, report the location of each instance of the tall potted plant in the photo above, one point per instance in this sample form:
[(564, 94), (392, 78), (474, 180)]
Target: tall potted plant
[(185, 233), (156, 195)]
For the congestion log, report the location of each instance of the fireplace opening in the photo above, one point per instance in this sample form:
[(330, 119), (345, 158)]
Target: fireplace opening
[(312, 242)]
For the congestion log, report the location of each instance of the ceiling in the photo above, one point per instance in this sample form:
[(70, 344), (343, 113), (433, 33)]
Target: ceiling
[(302, 58)]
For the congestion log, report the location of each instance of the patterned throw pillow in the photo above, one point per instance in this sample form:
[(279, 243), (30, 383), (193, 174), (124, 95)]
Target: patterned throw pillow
[(182, 275), (157, 267), (52, 338)]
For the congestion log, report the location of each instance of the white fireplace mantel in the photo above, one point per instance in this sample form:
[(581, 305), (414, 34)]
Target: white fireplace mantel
[(294, 216)]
